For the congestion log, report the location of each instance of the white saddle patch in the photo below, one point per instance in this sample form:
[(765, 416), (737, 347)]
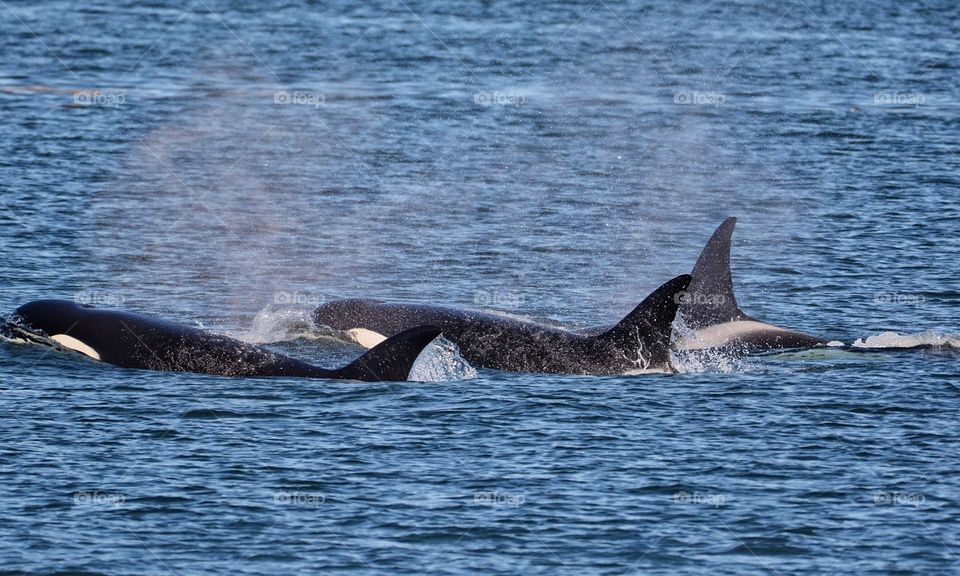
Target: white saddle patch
[(366, 338), (720, 334), (72, 343)]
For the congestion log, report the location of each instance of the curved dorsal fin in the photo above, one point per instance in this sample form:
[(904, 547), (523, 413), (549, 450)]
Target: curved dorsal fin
[(709, 299), (650, 324), (392, 359)]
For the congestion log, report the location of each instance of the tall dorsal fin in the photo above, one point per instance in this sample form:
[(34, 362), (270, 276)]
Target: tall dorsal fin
[(709, 299)]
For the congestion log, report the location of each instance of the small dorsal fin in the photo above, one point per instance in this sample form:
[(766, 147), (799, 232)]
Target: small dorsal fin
[(709, 299), (392, 359)]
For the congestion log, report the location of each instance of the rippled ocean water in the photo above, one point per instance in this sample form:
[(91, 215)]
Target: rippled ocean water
[(232, 164)]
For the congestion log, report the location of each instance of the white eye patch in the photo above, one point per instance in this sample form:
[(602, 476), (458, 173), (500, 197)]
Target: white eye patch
[(72, 343)]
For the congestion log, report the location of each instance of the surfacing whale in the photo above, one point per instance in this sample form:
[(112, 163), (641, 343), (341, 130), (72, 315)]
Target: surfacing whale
[(710, 307), (134, 340), (710, 312), (638, 343)]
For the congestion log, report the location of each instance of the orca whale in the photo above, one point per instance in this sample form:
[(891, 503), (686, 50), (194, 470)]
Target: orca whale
[(132, 340), (639, 343), (710, 308), (710, 312)]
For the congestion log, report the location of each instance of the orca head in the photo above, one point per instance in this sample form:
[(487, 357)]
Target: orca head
[(50, 316), (346, 314), (58, 320)]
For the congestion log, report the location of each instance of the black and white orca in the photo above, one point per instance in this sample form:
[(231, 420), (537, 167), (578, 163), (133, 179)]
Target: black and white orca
[(707, 306), (710, 312), (710, 308), (639, 343), (134, 340)]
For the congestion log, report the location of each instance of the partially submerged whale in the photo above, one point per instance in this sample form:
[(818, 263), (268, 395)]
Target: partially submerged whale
[(710, 308), (638, 343), (710, 312), (707, 306), (134, 340)]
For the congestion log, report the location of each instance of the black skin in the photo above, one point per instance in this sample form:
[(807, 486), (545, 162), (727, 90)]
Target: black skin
[(133, 340), (640, 341), (488, 340)]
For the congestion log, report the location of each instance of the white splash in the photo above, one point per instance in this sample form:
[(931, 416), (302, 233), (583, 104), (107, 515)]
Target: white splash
[(272, 324), (9, 333), (441, 362), (715, 360), (895, 340), (696, 361)]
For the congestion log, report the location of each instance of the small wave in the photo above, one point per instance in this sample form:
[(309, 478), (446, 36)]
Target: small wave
[(220, 414), (895, 340)]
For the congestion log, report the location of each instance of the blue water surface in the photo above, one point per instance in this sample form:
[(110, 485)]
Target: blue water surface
[(231, 165)]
